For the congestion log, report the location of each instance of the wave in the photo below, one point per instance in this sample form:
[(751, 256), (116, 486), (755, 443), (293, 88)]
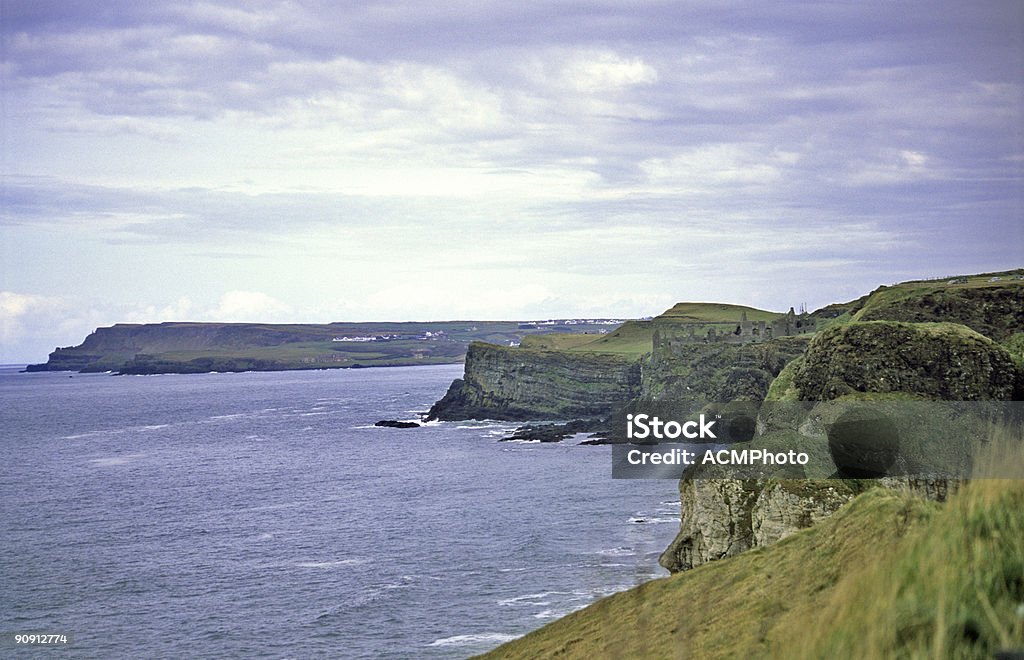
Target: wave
[(651, 520), (615, 552), (332, 564), (115, 460), (472, 640), (531, 599)]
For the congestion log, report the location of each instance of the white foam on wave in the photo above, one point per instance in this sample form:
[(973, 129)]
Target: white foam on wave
[(109, 461), (616, 552), (472, 640), (332, 564), (531, 599), (153, 427), (652, 520)]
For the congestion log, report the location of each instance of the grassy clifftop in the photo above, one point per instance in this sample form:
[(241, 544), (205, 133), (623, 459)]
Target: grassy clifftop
[(989, 303), (889, 575)]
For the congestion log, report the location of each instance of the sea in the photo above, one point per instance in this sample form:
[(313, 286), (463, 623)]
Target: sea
[(263, 515)]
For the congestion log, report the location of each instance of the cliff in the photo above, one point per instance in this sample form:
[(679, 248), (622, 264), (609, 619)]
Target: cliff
[(522, 383), (720, 518), (560, 376)]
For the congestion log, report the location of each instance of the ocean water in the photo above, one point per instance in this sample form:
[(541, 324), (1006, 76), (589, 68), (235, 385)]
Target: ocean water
[(262, 515)]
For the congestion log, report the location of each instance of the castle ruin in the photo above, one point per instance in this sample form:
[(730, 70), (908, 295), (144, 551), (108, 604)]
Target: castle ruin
[(728, 332)]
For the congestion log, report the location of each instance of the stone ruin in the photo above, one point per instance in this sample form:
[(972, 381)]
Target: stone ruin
[(728, 332)]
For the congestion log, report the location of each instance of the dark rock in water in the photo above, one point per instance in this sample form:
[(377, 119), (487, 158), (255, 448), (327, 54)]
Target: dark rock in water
[(395, 424), (553, 432)]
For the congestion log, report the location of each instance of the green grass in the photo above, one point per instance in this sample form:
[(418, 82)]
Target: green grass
[(893, 295), (557, 341), (630, 338), (697, 312), (889, 575)]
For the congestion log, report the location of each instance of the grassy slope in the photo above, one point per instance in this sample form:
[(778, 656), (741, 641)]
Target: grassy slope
[(691, 312), (889, 575), (855, 310)]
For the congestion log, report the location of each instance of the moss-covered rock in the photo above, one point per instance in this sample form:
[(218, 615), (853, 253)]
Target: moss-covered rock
[(995, 310), (937, 360)]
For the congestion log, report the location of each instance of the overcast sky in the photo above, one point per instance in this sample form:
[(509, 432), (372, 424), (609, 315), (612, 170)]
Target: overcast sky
[(321, 161)]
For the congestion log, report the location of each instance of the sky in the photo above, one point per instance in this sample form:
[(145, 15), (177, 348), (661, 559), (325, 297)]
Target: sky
[(318, 161)]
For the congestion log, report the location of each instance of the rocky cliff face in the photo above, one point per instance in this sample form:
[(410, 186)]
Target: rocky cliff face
[(996, 311), (723, 517), (521, 383)]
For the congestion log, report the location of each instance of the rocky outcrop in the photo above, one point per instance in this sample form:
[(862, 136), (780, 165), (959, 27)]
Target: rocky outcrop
[(723, 517), (521, 383), (935, 360), (995, 310)]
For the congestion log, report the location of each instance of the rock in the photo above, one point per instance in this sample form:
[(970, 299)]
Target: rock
[(720, 518), (936, 360), (553, 432), (519, 383), (395, 424), (994, 311)]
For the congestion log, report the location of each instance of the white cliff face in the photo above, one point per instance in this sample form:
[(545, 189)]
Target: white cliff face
[(779, 511), (722, 517)]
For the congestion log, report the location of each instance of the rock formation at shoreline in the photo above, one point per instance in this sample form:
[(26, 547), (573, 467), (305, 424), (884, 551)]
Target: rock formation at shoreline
[(523, 384)]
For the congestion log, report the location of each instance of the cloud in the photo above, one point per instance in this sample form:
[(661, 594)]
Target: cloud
[(251, 306), (532, 143)]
